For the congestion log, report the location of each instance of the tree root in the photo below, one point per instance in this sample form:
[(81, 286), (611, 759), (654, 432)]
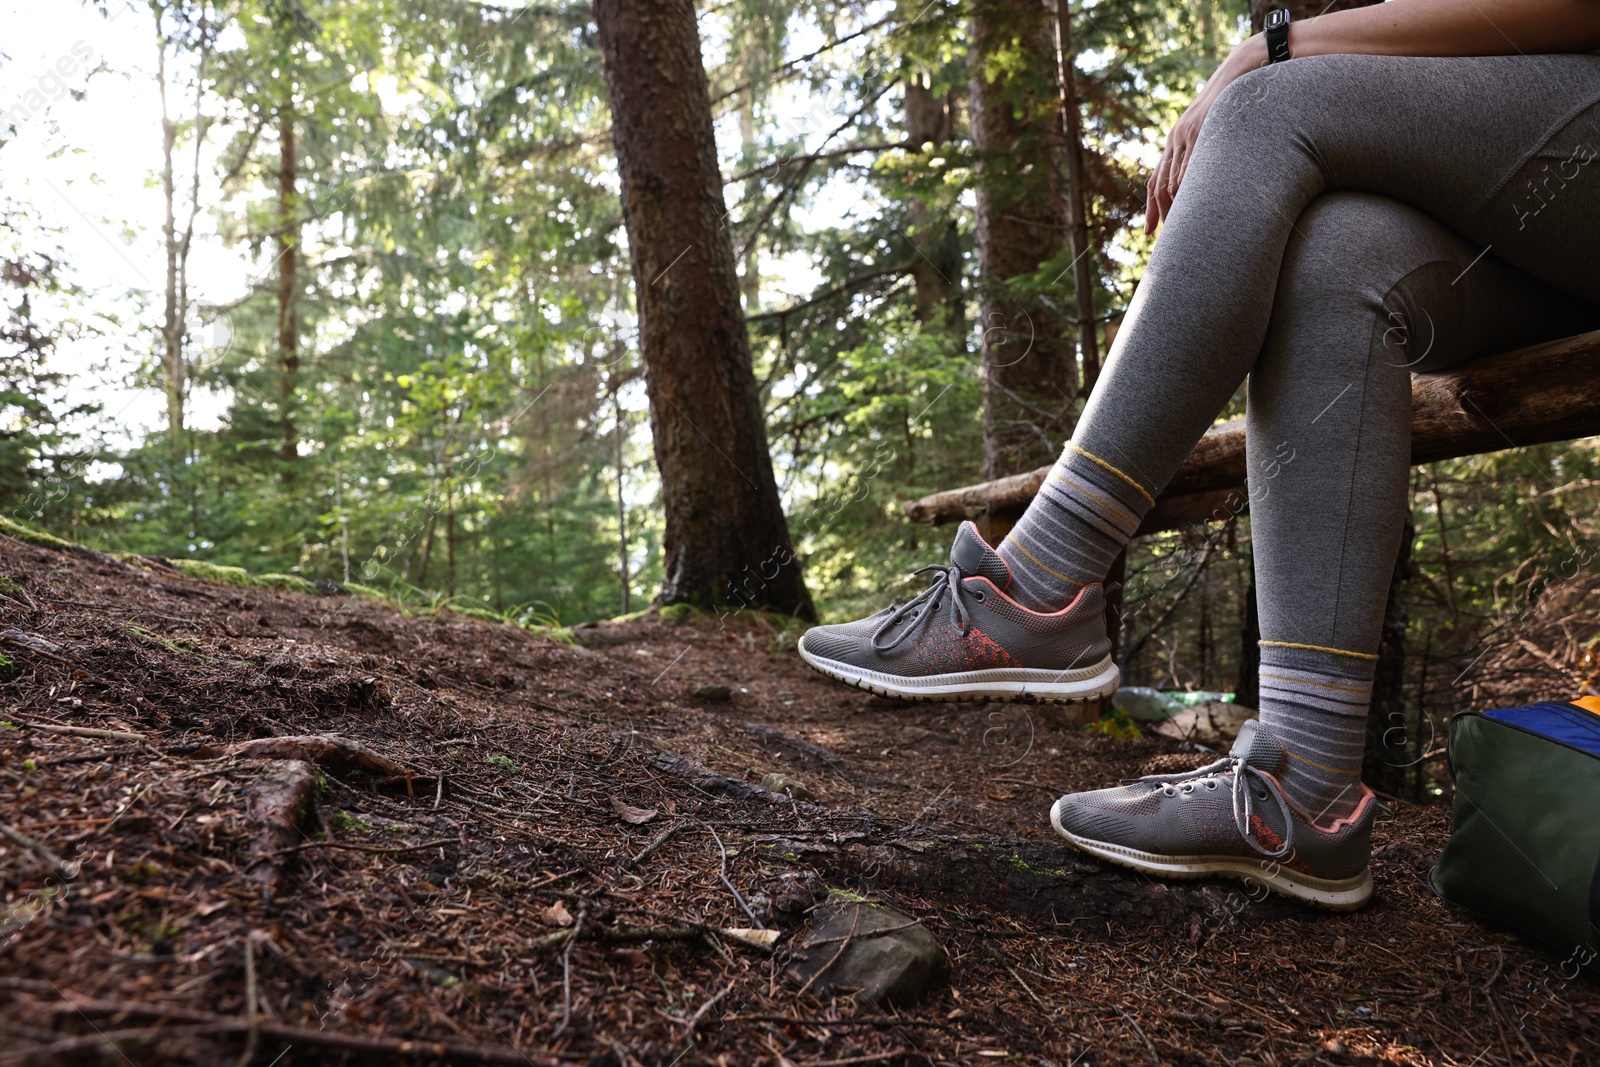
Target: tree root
[(329, 751), (278, 802)]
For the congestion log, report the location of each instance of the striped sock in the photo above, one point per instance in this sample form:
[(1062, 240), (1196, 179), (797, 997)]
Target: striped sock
[(1315, 701), (1085, 511)]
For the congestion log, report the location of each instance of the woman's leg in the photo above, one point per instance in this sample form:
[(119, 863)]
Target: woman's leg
[(1502, 150), (1370, 290)]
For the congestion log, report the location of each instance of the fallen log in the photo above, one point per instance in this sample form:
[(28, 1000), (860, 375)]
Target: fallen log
[(1547, 392)]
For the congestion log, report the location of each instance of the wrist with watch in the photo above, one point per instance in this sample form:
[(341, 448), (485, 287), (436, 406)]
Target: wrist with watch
[(1276, 32)]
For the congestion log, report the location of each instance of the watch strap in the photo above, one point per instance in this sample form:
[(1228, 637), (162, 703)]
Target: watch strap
[(1276, 31)]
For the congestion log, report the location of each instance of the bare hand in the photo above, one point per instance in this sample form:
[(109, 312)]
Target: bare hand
[(1174, 162)]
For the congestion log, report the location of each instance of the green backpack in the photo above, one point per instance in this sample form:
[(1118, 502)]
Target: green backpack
[(1526, 845)]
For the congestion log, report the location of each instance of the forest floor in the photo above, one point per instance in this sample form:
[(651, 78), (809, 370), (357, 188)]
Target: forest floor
[(547, 874)]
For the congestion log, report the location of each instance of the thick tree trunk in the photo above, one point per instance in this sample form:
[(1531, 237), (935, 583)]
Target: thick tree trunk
[(287, 242), (726, 541), (1029, 364)]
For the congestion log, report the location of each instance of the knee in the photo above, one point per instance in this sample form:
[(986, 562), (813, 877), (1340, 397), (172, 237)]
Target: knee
[(1375, 259), (1357, 242), (1271, 101)]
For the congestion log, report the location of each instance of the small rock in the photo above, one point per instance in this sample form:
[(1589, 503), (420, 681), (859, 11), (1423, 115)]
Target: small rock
[(889, 959), (716, 694), (792, 788)]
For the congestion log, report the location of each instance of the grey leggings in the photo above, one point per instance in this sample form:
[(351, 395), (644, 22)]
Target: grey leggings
[(1329, 240)]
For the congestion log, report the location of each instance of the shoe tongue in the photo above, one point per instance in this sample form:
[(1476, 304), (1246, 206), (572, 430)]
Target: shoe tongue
[(1259, 748), (973, 557)]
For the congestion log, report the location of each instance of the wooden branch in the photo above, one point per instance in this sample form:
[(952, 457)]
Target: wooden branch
[(1548, 392), (829, 293), (277, 804), (772, 167), (336, 753)]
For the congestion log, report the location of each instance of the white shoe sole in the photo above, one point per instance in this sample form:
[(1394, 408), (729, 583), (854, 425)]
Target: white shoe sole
[(1346, 894), (1021, 684)]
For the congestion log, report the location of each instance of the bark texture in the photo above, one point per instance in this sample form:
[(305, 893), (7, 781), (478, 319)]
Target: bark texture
[(936, 270), (1029, 360), (726, 540), (287, 245)]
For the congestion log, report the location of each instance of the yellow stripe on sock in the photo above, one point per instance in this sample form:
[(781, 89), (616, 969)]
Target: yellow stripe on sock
[(1041, 566), (1096, 459), (1319, 648), (1321, 766), (1366, 690), (1107, 504)]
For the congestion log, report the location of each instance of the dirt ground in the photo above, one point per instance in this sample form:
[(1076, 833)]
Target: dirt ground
[(490, 904)]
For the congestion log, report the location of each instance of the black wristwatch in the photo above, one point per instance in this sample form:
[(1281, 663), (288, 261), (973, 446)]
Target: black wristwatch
[(1276, 31)]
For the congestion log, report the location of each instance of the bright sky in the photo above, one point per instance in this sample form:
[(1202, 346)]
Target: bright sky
[(89, 167)]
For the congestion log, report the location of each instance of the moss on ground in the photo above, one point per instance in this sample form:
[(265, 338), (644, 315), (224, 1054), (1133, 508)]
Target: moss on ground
[(28, 535), (213, 572), (677, 614), (291, 582)]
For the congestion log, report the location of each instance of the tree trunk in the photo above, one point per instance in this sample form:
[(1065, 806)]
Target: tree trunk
[(287, 242), (936, 269), (726, 540), (1247, 693), (172, 326), (1075, 194), (1029, 371)]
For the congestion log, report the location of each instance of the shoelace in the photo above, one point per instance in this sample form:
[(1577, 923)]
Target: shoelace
[(925, 603), (1243, 797)]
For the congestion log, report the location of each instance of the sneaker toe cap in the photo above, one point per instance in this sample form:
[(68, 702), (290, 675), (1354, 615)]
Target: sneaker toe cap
[(833, 643), (1101, 815)]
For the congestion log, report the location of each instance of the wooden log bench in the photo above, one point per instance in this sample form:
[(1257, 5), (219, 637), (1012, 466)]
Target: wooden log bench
[(1548, 392)]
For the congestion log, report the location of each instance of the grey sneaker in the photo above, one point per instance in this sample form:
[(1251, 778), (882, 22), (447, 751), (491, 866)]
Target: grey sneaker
[(1230, 817), (962, 638)]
